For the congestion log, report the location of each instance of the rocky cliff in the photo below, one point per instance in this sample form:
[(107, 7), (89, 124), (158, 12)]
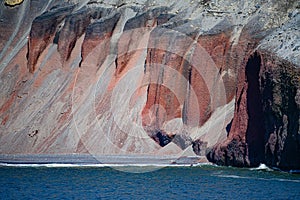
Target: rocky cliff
[(265, 127), (152, 77)]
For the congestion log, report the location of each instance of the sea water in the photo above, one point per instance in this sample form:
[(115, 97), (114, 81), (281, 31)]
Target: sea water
[(177, 182)]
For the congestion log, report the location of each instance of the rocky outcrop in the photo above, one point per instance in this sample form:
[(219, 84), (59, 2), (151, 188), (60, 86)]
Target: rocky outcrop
[(74, 27), (42, 33), (247, 130), (122, 77), (199, 147), (265, 128), (280, 83)]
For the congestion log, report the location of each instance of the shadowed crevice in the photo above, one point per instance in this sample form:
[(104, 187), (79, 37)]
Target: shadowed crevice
[(255, 130)]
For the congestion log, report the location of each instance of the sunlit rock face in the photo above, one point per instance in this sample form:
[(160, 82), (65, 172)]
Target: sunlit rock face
[(159, 78), (13, 2)]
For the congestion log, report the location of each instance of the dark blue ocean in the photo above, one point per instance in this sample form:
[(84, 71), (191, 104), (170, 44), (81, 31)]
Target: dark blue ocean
[(199, 182)]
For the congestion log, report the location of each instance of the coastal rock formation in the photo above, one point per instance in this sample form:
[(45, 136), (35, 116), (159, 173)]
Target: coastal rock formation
[(157, 78), (265, 127), (281, 113)]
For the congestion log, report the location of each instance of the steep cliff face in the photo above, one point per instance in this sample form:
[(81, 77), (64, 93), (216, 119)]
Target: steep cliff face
[(265, 128), (160, 78), (280, 83)]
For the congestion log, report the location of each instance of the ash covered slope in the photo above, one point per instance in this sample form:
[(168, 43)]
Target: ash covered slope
[(123, 77)]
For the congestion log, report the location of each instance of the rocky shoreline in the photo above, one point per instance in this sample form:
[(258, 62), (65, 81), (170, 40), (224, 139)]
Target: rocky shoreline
[(211, 78)]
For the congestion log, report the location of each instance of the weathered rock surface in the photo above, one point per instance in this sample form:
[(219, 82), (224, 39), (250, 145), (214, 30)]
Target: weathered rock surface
[(42, 31), (265, 128), (126, 77), (75, 26)]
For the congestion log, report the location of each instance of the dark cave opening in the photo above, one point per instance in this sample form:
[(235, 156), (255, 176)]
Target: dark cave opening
[(162, 138), (255, 130)]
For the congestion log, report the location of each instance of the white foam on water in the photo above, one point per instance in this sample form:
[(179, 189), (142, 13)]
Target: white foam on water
[(286, 180), (262, 167), (54, 165), (127, 167), (59, 165), (257, 178), (232, 176)]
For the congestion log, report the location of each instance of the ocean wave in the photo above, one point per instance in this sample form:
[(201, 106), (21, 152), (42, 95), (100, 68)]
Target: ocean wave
[(262, 167)]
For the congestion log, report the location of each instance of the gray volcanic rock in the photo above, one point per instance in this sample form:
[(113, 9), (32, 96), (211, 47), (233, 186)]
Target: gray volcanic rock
[(152, 77)]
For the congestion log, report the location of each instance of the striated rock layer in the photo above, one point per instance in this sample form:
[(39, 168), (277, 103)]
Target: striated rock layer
[(164, 78)]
